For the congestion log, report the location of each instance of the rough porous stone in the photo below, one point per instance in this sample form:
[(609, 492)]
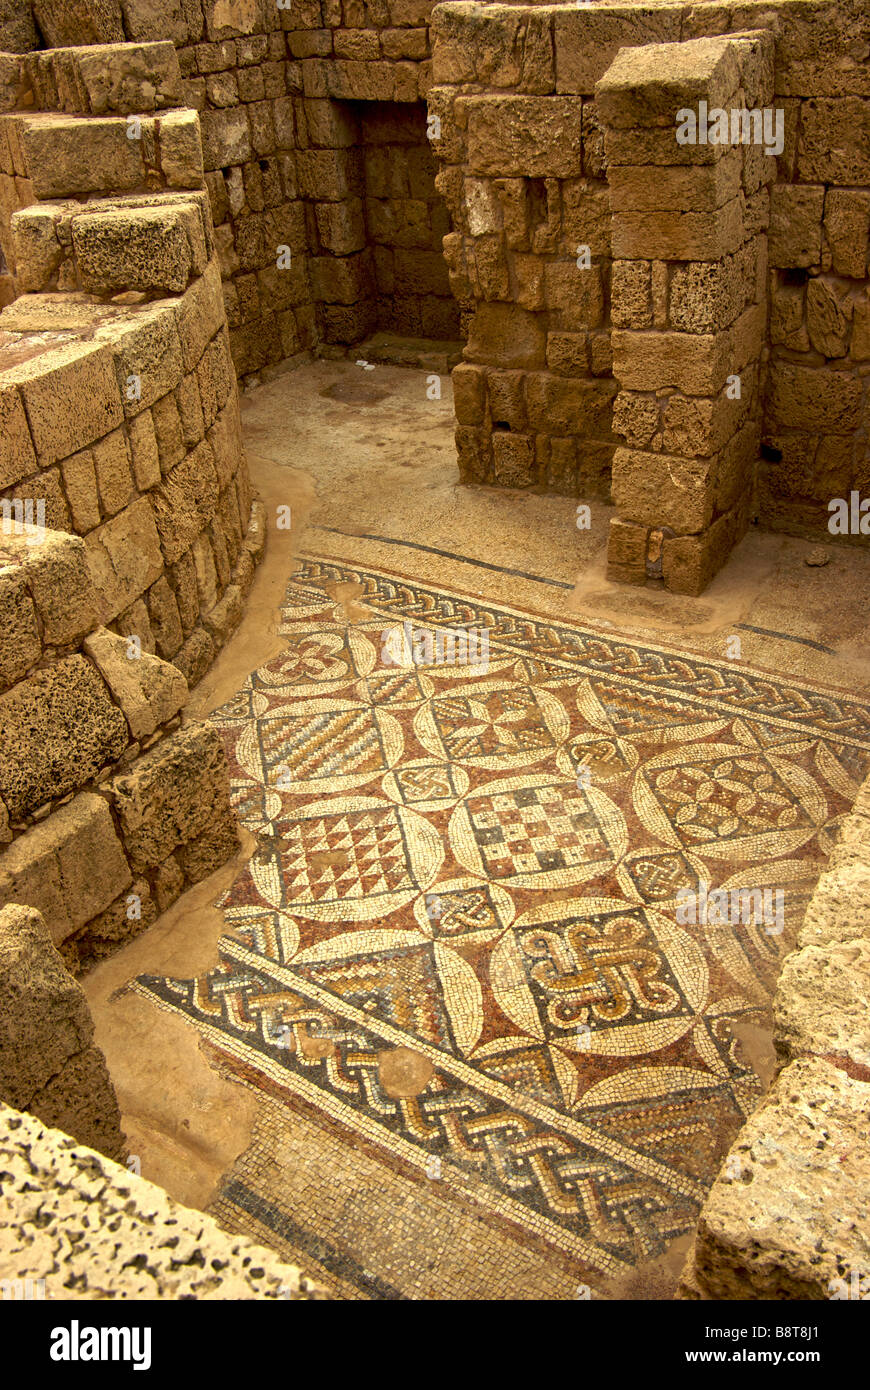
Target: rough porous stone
[(793, 1221), (70, 866), (57, 729), (49, 1064), (149, 690), (93, 1230), (173, 794)]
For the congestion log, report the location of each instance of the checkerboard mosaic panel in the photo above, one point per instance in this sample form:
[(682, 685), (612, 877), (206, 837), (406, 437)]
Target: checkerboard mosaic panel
[(452, 944)]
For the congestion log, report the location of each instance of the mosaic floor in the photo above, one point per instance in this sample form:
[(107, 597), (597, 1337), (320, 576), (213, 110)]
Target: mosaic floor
[(459, 943)]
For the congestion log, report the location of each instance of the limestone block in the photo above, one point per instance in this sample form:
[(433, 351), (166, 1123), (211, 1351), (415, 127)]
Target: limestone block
[(575, 297), (657, 489), (72, 398), (860, 349), (17, 29), (195, 656), (648, 85), (834, 141), (144, 451), (124, 557), (148, 690), (817, 400), (821, 1001), (631, 300), (786, 326), (626, 552), (64, 23), (513, 459), (44, 1016), (181, 157), (147, 20), (21, 645), (567, 354), (226, 137), (59, 728), (216, 378), (531, 137), (693, 363), (829, 315), (80, 484), (70, 866), (53, 146), (847, 228), (709, 295), (795, 233), (121, 921), (680, 236), (59, 582), (225, 439), (168, 432), (587, 40), (222, 620), (114, 477), (190, 410), (504, 335), (185, 502), (135, 249), (689, 562), (164, 619), (149, 351), (37, 249), (130, 78), (17, 455), (685, 188), (81, 1101), (567, 406), (792, 1221), (174, 793), (206, 573)]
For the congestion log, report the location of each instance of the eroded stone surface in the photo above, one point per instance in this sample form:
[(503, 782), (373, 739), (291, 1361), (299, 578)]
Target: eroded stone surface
[(93, 1230)]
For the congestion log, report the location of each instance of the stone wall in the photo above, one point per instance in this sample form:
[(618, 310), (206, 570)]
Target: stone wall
[(789, 1216), (74, 1224), (598, 253), (129, 535)]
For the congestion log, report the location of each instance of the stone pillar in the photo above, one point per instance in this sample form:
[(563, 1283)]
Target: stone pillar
[(49, 1063), (688, 303)]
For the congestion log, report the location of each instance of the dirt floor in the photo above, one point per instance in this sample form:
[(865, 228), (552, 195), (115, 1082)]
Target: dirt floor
[(365, 462)]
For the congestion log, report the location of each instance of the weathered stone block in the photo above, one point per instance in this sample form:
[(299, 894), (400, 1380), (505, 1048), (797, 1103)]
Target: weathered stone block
[(657, 489), (72, 398), (124, 557), (148, 690), (785, 1218), (185, 502), (795, 233), (57, 574), (532, 137), (44, 1016), (17, 455), (21, 645), (504, 335), (174, 793), (69, 867), (513, 459), (59, 728), (136, 249), (52, 146)]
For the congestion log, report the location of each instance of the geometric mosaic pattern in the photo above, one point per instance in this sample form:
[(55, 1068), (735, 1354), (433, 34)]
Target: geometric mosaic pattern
[(458, 936)]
